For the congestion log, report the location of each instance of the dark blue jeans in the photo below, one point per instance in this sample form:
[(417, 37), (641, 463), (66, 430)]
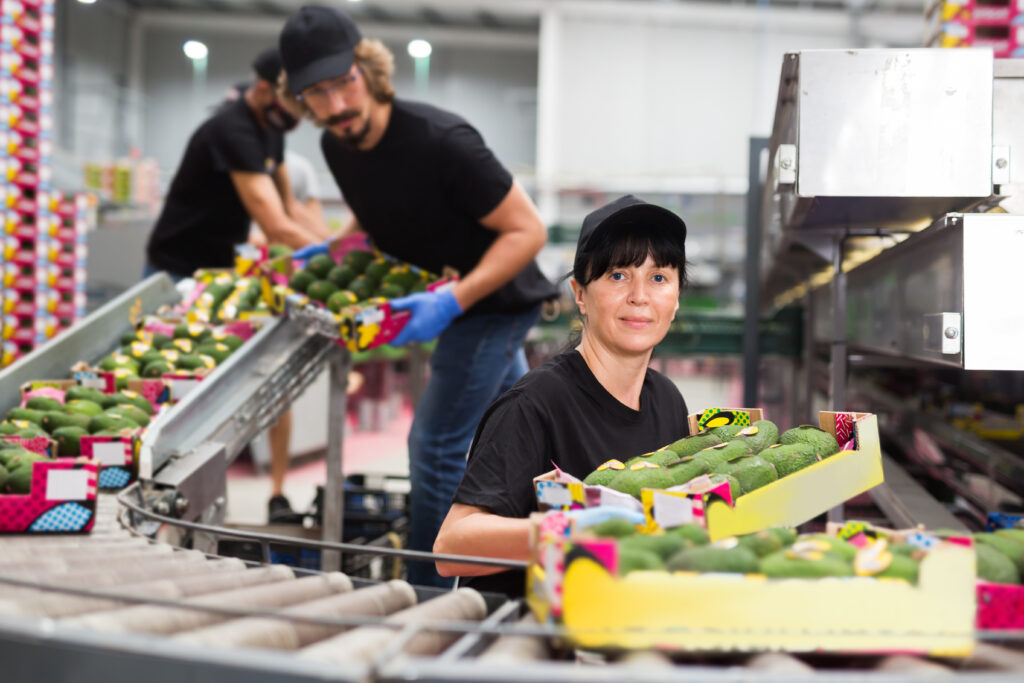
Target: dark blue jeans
[(477, 359)]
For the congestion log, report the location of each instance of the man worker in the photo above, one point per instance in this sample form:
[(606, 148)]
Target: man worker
[(425, 187), (232, 174)]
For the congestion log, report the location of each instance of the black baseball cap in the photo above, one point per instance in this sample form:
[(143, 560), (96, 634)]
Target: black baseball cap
[(317, 44), (267, 65), (629, 209)]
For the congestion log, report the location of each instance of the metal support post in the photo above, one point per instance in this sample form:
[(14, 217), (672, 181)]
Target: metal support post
[(339, 365), (751, 337), (838, 356)]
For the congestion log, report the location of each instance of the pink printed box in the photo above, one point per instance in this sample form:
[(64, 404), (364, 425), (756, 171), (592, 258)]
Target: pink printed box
[(62, 499)]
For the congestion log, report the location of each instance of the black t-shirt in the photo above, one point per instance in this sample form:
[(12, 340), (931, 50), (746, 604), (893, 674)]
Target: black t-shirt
[(203, 217), (559, 414), (421, 192)]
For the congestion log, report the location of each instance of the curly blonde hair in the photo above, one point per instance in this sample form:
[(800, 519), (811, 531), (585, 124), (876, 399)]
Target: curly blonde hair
[(377, 64)]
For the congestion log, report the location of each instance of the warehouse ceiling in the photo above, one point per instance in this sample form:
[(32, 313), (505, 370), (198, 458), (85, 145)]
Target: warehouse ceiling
[(517, 16)]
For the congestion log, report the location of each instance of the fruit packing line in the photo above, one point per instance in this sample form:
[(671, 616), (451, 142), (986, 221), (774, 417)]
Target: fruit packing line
[(223, 604)]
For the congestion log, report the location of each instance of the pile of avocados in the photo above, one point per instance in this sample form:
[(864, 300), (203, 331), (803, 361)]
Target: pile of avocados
[(360, 279), (745, 457), (227, 297), (195, 348), (775, 553), (85, 411)]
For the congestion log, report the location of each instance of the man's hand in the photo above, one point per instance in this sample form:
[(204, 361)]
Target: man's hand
[(431, 312)]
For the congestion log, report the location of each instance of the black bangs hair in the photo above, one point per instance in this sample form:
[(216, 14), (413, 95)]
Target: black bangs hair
[(627, 244)]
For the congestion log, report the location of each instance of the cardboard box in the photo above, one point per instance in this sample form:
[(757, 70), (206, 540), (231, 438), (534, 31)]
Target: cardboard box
[(62, 499), (790, 501), (572, 581), (973, 11), (116, 457)]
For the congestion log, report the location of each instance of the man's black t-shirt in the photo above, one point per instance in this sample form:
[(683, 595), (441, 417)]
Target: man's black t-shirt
[(203, 217), (421, 192), (559, 414)]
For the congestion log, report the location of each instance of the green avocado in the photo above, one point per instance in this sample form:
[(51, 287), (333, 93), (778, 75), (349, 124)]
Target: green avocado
[(995, 567), (79, 393), (157, 369), (760, 435), (161, 341), (320, 265), (340, 299), (19, 480), (118, 360), (1015, 534), (150, 356), (43, 403), (67, 439), (1010, 547), (8, 428), (321, 290), (632, 560), (390, 291), (3, 479), (178, 346), (616, 527), (663, 545), (842, 548), (694, 533), (735, 490), (786, 536), (218, 352), (723, 452), (32, 432), (108, 422), (196, 332), (602, 477), (130, 412), (791, 458), (136, 399), (691, 445), (340, 276), (711, 558), (357, 260), (301, 281), (752, 472), (278, 250), (378, 268), (631, 481), (727, 432), (902, 567), (25, 415), (362, 287), (191, 361), (811, 564), (659, 458), (760, 543), (418, 287), (129, 338), (83, 407), (686, 468), (400, 276), (232, 341), (823, 443), (121, 377), (55, 419)]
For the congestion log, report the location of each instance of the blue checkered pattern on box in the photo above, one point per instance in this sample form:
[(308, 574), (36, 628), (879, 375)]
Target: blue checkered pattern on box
[(64, 517), (113, 478)]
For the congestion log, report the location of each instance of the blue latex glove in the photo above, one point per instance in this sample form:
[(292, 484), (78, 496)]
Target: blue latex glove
[(431, 312), (310, 250), (594, 516)]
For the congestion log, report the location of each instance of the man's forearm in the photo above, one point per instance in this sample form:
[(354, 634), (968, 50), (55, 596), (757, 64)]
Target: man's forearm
[(483, 535)]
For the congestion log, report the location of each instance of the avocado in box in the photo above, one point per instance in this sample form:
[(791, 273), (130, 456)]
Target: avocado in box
[(856, 590)]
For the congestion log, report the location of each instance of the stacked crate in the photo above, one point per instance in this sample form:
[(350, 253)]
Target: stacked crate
[(43, 245), (998, 24)]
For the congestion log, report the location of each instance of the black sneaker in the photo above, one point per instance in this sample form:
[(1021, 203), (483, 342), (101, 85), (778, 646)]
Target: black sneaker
[(279, 511)]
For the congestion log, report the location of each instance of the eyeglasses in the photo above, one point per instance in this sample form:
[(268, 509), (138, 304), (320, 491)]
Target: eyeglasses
[(321, 93)]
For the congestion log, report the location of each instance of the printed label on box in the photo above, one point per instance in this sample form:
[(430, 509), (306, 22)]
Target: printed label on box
[(181, 387), (109, 453), (672, 509), (67, 484), (555, 494)]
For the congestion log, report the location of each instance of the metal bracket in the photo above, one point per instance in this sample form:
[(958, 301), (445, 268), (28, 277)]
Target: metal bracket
[(1001, 165), (785, 165), (942, 333)]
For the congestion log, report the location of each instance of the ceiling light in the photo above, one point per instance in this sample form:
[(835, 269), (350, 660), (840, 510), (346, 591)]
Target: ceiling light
[(419, 48), (195, 50)]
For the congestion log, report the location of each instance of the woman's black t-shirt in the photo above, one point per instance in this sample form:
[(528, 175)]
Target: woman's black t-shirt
[(559, 414)]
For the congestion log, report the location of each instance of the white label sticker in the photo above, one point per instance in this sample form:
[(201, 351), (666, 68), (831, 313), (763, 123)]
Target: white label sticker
[(67, 484), (109, 452), (181, 387), (93, 382), (553, 494), (672, 510)]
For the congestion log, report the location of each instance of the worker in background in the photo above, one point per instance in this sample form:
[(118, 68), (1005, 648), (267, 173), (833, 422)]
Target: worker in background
[(233, 174), (425, 187)]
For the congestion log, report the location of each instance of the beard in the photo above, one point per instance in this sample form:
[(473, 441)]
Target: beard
[(351, 138)]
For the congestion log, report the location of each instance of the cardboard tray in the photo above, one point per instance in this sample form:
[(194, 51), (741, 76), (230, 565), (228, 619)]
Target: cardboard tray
[(575, 584), (62, 499), (790, 501)]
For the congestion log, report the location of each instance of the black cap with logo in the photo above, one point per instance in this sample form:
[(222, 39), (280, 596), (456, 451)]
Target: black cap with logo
[(317, 44)]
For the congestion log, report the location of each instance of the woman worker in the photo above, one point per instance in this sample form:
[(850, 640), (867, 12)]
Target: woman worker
[(596, 401)]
